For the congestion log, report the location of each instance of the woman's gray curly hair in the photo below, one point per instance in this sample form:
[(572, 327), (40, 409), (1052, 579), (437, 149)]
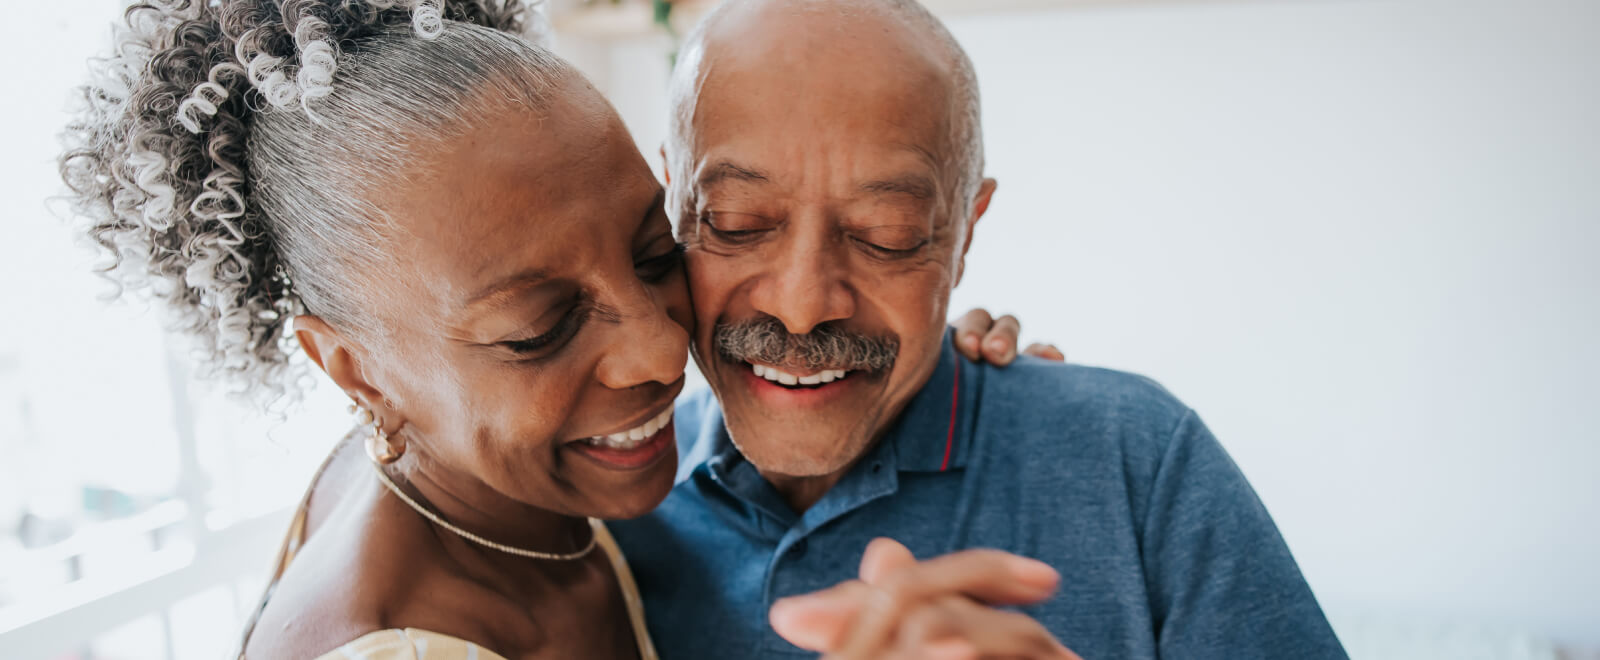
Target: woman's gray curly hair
[(227, 150)]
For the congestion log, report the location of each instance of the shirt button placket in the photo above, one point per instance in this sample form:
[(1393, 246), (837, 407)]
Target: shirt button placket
[(782, 581)]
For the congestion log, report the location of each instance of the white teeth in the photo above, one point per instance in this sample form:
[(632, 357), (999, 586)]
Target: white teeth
[(633, 438), (779, 376)]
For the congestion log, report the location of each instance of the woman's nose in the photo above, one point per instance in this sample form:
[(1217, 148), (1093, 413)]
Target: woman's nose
[(647, 347)]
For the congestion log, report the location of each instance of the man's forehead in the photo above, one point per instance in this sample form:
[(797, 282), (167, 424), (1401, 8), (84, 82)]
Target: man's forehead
[(779, 57), (817, 90), (797, 113), (844, 45)]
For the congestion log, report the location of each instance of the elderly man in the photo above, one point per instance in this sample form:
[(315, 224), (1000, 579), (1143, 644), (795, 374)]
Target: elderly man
[(826, 172)]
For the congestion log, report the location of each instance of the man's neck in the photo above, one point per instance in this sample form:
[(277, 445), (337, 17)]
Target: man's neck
[(800, 493)]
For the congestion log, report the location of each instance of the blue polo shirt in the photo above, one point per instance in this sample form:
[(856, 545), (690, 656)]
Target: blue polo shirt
[(1163, 548)]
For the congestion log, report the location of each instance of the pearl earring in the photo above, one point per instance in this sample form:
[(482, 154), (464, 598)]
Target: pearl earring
[(378, 446)]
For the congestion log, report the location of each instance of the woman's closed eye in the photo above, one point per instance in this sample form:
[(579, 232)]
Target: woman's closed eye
[(548, 342), (657, 268), (545, 344)]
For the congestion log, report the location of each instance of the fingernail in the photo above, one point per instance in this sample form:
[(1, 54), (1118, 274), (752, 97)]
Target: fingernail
[(998, 344), (785, 620), (1037, 572), (970, 341)]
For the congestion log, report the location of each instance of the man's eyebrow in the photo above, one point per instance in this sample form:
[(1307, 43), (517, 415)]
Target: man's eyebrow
[(915, 186), (725, 170), (495, 294)]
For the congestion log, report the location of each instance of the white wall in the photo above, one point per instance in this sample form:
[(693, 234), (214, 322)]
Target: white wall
[(1358, 236)]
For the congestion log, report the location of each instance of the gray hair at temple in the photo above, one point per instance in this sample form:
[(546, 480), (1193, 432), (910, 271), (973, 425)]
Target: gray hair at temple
[(966, 128), (231, 158)]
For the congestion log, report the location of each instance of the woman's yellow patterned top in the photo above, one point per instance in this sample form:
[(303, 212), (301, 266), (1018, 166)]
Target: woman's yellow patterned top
[(410, 644)]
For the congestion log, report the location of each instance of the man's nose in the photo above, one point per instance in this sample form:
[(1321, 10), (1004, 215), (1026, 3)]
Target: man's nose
[(806, 284), (648, 346)]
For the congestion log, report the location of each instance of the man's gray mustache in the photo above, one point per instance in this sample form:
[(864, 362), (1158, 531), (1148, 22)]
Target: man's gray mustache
[(827, 346)]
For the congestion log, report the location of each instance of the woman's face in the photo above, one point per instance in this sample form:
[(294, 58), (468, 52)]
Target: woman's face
[(536, 302)]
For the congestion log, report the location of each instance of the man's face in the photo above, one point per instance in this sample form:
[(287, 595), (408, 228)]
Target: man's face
[(824, 237)]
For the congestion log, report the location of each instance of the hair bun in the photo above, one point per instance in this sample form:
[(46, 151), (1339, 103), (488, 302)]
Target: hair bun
[(157, 157)]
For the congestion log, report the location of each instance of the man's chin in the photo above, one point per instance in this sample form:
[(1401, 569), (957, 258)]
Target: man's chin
[(792, 450), (796, 432), (779, 457)]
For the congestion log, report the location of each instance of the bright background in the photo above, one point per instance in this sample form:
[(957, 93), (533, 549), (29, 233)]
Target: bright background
[(1358, 236)]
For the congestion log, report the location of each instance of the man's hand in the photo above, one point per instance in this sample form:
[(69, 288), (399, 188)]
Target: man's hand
[(941, 608), (983, 338)]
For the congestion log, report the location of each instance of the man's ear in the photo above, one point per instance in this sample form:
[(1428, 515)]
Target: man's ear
[(666, 166), (330, 350), (980, 206)]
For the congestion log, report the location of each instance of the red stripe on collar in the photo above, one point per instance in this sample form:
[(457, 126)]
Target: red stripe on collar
[(955, 401)]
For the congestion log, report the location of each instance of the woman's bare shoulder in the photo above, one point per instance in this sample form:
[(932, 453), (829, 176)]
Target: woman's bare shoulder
[(343, 469), (324, 598), (368, 564)]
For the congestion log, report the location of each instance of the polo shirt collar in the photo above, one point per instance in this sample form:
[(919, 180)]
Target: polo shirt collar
[(933, 432)]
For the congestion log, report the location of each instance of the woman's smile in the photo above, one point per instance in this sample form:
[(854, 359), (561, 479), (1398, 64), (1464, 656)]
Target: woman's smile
[(638, 444), (642, 447)]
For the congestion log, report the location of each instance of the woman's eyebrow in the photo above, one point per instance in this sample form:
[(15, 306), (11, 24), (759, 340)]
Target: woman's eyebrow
[(496, 294)]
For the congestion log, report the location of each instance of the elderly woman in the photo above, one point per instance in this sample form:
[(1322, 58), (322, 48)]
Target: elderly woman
[(458, 230)]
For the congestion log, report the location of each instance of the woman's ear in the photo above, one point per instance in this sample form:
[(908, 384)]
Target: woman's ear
[(330, 350)]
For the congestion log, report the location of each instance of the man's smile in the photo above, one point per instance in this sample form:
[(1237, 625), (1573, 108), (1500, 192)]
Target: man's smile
[(781, 389), (790, 379)]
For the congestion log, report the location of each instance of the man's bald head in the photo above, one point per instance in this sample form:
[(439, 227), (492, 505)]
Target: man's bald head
[(899, 38)]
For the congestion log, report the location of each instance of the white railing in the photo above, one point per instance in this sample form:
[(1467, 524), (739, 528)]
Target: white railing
[(49, 625)]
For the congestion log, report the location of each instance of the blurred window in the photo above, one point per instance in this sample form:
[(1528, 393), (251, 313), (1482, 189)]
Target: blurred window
[(139, 508)]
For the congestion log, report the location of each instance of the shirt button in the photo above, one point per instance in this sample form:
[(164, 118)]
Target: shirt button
[(798, 550)]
